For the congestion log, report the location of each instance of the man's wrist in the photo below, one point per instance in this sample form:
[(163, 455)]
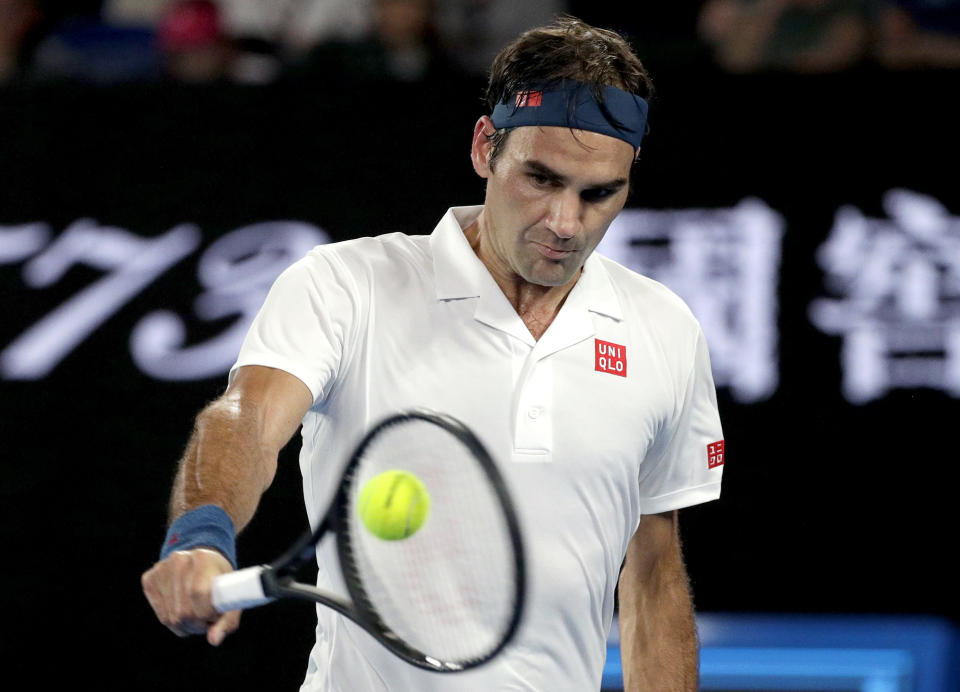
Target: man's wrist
[(208, 526)]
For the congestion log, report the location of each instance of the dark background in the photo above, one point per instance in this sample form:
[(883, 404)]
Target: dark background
[(827, 507)]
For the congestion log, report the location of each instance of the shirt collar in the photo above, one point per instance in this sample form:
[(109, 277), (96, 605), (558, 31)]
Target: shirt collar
[(597, 293), (455, 265), (460, 273)]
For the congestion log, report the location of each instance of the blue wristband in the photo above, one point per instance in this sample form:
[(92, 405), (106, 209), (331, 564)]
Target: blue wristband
[(204, 527)]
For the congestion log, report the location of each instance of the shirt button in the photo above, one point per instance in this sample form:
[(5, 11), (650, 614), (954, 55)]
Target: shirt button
[(534, 412)]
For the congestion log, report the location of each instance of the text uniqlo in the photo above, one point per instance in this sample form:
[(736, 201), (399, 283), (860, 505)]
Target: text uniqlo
[(611, 358)]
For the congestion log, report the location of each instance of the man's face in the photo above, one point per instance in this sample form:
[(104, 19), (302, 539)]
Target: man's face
[(551, 195)]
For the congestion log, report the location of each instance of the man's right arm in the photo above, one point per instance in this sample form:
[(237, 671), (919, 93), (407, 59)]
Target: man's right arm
[(230, 461)]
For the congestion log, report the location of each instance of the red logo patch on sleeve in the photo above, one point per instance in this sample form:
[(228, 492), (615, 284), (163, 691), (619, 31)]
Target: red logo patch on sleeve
[(611, 358), (715, 454)]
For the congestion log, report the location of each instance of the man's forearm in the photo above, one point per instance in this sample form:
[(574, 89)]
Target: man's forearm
[(230, 461), (224, 463), (658, 636)]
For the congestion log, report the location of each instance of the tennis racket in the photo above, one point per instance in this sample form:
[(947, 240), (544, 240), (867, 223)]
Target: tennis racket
[(447, 598)]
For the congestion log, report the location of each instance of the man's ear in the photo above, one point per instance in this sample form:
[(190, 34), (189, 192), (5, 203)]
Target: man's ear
[(482, 148)]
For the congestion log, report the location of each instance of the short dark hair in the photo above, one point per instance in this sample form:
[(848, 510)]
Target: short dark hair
[(566, 49)]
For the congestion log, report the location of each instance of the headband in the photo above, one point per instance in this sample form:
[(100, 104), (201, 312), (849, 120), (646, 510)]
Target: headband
[(572, 104)]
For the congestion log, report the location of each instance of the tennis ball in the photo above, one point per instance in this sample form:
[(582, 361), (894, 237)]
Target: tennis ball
[(393, 505)]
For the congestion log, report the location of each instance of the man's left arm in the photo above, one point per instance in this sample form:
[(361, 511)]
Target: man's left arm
[(658, 635)]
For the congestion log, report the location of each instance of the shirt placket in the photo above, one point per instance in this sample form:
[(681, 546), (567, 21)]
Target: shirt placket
[(533, 411)]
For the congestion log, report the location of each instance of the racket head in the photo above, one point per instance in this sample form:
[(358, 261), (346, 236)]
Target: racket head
[(450, 596)]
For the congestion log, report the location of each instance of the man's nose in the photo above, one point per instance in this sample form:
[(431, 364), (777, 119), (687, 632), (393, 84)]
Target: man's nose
[(564, 218)]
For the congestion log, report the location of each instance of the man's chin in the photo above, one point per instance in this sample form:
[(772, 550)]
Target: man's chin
[(550, 274)]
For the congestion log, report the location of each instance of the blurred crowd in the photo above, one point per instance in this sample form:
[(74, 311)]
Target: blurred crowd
[(831, 35), (258, 41), (255, 41)]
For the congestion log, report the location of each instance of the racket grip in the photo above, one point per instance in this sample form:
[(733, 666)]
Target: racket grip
[(239, 590)]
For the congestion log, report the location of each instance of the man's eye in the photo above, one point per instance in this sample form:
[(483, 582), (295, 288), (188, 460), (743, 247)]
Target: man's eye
[(596, 195), (540, 179)]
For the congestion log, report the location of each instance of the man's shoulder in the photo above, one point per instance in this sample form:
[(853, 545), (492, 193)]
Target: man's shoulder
[(360, 256), (350, 265), (372, 248), (642, 294)]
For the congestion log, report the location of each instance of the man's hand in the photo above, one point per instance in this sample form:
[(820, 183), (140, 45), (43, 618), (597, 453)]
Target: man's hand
[(178, 589)]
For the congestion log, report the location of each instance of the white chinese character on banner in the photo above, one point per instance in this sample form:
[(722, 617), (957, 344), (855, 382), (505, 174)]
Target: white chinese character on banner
[(895, 286), (724, 263)]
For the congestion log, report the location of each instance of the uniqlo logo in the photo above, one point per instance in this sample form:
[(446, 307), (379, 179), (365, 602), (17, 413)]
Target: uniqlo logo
[(529, 98), (715, 454), (611, 358)]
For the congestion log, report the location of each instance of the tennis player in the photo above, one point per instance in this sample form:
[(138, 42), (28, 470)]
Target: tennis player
[(589, 383)]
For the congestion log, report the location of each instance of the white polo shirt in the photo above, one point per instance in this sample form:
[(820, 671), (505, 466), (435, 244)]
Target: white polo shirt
[(610, 415)]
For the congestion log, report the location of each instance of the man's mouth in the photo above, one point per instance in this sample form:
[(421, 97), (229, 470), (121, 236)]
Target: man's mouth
[(550, 252)]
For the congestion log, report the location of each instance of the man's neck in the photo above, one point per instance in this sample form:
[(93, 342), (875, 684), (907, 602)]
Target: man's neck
[(536, 305)]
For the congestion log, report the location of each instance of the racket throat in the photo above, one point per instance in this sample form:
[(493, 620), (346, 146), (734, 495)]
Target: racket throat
[(301, 552), (271, 582)]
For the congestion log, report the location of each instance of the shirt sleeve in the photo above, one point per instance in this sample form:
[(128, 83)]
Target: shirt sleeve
[(686, 464), (304, 323)]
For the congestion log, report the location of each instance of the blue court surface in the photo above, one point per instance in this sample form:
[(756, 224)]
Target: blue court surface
[(810, 652)]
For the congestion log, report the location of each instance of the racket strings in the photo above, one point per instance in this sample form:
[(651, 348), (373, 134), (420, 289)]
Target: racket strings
[(449, 590)]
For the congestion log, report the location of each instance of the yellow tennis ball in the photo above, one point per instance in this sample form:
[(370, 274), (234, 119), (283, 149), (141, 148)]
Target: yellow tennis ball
[(393, 505)]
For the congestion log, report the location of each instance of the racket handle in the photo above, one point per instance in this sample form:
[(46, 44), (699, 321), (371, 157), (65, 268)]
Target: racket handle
[(239, 590)]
